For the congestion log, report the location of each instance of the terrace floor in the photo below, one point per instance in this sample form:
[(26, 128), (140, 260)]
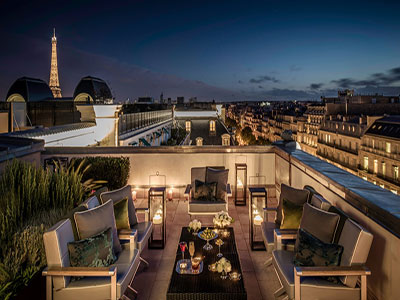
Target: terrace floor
[(152, 282)]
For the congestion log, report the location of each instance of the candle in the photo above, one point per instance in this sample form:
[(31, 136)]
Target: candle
[(170, 194), (225, 233), (157, 219), (234, 275), (183, 265), (257, 220), (134, 195)]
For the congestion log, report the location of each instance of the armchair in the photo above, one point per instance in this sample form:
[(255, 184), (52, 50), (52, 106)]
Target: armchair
[(143, 229), (98, 283), (205, 207)]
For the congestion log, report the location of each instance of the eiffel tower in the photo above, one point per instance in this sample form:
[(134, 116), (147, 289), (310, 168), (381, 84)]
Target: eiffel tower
[(54, 84)]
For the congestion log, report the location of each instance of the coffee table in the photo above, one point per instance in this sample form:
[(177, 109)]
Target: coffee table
[(207, 285)]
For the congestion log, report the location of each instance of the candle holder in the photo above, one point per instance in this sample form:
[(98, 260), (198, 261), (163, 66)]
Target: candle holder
[(158, 211), (240, 180)]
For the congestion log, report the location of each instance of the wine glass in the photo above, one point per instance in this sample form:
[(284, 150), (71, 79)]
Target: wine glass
[(219, 242), (183, 246), (191, 249)]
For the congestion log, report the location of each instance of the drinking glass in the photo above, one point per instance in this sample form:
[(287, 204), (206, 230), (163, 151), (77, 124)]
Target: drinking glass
[(183, 246), (191, 248)]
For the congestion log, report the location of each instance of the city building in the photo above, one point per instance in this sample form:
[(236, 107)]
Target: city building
[(379, 156)]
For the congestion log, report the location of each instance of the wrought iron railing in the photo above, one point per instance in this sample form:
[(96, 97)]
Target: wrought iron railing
[(134, 121)]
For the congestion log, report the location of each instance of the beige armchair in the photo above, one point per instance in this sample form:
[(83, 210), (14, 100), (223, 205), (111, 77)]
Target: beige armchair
[(97, 283)]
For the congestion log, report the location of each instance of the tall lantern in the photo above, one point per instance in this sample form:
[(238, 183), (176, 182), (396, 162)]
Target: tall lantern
[(240, 180), (158, 211), (257, 203)]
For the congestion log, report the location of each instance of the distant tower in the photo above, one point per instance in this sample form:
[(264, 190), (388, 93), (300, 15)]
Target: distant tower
[(54, 84)]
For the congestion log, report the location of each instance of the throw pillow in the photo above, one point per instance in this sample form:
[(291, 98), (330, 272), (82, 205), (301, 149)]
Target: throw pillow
[(296, 196), (121, 214), (221, 178), (96, 220), (319, 223), (291, 215), (95, 251), (205, 191), (311, 251)]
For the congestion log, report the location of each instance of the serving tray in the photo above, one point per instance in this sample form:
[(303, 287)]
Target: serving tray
[(188, 270)]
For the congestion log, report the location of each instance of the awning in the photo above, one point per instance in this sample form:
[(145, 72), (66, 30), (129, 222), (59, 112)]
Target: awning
[(146, 143)]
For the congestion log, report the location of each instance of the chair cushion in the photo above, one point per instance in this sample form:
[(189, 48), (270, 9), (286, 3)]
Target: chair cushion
[(312, 288), (221, 177), (91, 288), (91, 202), (143, 233), (198, 173), (267, 230), (96, 220), (56, 241), (205, 191), (198, 206), (310, 251), (291, 215), (357, 243), (119, 194), (121, 214), (70, 216), (342, 220), (319, 202), (313, 218), (95, 251), (296, 196)]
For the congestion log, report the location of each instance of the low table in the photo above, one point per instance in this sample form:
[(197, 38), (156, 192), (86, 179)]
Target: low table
[(207, 285)]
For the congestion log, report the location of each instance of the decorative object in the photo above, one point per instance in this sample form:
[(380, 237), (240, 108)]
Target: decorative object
[(235, 276), (121, 214), (207, 235), (240, 180), (170, 194), (194, 226), (192, 249), (257, 202), (204, 191), (134, 195), (183, 246), (158, 210), (196, 262), (219, 243), (183, 264), (222, 219), (187, 267), (212, 268), (291, 215), (224, 267), (220, 176)]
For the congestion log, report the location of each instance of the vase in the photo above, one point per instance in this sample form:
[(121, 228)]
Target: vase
[(223, 275)]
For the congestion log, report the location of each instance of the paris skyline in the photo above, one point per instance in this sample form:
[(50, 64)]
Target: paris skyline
[(225, 51)]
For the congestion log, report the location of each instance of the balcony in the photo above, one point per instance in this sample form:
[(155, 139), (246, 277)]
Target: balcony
[(375, 209)]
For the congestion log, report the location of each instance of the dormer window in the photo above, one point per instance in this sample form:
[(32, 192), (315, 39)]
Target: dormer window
[(199, 141), (226, 139), (212, 126), (188, 125)]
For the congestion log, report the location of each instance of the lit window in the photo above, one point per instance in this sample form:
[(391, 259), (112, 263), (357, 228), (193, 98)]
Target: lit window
[(188, 125), (199, 141), (212, 125), (388, 147), (394, 192), (366, 163), (375, 166), (225, 140), (373, 144), (383, 168), (396, 173)]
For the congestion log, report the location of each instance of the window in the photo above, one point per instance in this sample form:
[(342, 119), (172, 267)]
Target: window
[(396, 173), (366, 163), (375, 166), (388, 147), (188, 126), (225, 140), (373, 144), (212, 125), (383, 169), (199, 141)]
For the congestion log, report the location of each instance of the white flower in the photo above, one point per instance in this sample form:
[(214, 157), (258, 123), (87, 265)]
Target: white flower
[(195, 225)]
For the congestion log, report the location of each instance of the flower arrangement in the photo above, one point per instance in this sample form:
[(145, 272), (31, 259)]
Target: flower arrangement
[(194, 226), (223, 266), (222, 219)]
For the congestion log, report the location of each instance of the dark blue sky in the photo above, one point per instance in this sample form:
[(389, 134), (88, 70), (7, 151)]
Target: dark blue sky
[(227, 50)]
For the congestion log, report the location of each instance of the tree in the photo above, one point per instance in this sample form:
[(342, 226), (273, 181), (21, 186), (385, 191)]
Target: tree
[(230, 122), (247, 136)]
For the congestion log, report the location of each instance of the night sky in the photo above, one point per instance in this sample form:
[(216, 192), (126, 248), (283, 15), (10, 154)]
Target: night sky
[(222, 50)]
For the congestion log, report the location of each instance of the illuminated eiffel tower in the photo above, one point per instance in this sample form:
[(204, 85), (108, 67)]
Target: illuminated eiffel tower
[(53, 82)]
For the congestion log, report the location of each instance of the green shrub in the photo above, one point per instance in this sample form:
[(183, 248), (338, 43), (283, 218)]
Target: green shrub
[(113, 170)]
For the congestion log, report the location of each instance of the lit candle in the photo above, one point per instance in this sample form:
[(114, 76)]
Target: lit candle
[(134, 195), (157, 219), (257, 220), (234, 275), (170, 194), (183, 265)]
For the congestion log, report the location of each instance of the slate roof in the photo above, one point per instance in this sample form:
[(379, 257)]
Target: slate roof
[(387, 127), (31, 89)]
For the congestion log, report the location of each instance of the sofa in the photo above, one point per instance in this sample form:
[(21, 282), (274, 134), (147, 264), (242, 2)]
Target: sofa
[(205, 206), (96, 282)]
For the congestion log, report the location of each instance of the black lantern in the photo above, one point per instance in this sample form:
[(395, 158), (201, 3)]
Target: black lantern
[(257, 202), (241, 184), (158, 212)]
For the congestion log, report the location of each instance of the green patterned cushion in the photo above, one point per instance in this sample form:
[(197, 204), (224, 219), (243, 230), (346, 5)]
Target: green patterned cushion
[(205, 191), (95, 251), (313, 252), (121, 214), (291, 215)]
